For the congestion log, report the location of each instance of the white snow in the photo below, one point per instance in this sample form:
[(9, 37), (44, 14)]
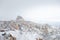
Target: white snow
[(24, 35), (27, 35)]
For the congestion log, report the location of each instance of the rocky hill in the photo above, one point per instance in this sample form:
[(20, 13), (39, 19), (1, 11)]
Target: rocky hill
[(31, 29)]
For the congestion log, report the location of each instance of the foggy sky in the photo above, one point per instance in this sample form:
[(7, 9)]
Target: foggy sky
[(31, 10)]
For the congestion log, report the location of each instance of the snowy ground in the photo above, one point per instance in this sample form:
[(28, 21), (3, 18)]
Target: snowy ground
[(22, 35), (53, 34)]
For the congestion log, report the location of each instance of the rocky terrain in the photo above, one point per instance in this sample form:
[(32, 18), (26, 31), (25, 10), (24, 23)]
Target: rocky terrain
[(27, 30)]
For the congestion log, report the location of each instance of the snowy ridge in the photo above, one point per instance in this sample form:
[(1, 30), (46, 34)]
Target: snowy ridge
[(27, 30)]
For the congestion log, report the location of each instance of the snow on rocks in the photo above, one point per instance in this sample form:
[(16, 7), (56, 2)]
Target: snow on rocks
[(27, 30)]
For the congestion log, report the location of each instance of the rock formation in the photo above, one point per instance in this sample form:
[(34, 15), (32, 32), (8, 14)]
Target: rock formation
[(27, 27)]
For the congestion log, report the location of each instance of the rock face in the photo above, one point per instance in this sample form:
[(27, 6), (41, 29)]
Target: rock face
[(12, 38), (31, 29)]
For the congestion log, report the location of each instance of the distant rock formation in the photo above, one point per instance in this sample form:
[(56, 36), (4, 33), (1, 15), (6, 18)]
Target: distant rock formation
[(44, 30), (20, 22), (19, 18)]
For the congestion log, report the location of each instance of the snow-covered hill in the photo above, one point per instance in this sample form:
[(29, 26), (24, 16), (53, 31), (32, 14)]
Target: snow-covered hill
[(27, 30)]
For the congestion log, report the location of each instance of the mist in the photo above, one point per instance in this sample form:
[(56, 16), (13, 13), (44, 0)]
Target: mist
[(31, 10)]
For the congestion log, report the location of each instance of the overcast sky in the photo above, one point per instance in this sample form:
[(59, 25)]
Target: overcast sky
[(31, 10)]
